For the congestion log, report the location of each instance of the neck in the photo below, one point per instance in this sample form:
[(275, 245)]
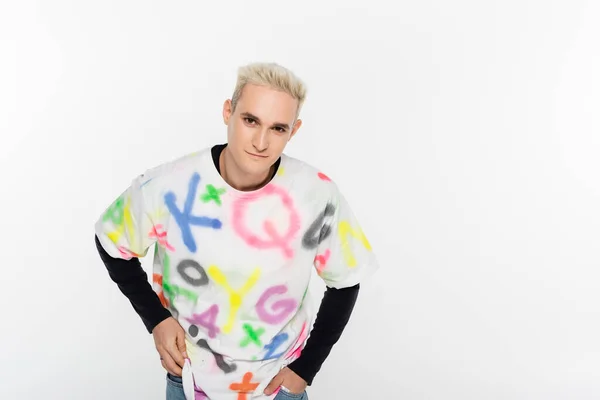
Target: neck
[(236, 178)]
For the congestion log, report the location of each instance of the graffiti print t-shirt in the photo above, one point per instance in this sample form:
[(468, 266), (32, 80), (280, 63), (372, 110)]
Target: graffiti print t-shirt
[(233, 267)]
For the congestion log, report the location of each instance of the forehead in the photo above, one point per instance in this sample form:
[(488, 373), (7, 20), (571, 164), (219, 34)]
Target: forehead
[(268, 104)]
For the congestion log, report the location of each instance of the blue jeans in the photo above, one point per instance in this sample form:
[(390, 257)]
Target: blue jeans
[(175, 391)]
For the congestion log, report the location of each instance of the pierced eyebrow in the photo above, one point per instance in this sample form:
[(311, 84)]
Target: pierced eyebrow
[(275, 125)]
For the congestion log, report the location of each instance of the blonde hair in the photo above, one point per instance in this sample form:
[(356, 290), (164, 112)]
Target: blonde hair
[(272, 75)]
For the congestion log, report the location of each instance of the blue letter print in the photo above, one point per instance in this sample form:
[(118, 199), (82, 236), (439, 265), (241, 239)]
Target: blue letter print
[(184, 218), (275, 343)]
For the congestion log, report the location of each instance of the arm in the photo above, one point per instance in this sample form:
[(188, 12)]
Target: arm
[(334, 313), (133, 283), (344, 260), (123, 235)]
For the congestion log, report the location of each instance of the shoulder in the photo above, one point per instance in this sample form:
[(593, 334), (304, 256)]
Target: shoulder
[(171, 176), (156, 175), (310, 177)]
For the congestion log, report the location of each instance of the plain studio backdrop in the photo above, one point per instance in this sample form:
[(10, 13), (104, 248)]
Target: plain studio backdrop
[(464, 134)]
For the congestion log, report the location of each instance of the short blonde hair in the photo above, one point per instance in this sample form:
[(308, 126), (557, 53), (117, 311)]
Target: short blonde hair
[(272, 75)]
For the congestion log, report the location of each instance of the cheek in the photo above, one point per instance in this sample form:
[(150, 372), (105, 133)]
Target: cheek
[(236, 132), (279, 142), (241, 131)]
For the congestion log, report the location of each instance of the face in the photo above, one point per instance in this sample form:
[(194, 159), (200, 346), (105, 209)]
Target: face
[(260, 127)]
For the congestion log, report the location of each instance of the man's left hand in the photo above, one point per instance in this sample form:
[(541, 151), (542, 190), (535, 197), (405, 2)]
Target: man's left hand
[(288, 378)]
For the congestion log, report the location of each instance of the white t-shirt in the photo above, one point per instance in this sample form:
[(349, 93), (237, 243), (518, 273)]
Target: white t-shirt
[(233, 267)]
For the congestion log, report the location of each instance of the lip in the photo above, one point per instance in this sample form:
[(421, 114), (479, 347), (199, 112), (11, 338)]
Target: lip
[(256, 155)]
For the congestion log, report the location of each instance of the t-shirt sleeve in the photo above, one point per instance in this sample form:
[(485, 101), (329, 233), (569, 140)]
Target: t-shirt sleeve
[(344, 255), (125, 228)]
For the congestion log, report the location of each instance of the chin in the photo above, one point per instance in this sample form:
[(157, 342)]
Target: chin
[(257, 169), (252, 167)]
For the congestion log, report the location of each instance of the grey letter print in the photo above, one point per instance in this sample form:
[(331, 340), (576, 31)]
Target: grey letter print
[(185, 264), (226, 368), (218, 358), (318, 230)]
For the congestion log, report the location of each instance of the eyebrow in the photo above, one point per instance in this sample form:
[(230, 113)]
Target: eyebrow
[(254, 117)]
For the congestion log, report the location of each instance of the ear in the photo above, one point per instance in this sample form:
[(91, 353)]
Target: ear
[(227, 111), (295, 128)]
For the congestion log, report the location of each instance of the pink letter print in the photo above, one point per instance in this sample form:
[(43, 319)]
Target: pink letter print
[(280, 309), (295, 352), (321, 261), (207, 319), (276, 240)]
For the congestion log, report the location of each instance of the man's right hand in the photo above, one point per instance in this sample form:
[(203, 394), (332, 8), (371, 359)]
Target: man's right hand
[(169, 339)]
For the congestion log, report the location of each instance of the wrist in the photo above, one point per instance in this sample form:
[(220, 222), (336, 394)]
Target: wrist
[(305, 370), (157, 319)]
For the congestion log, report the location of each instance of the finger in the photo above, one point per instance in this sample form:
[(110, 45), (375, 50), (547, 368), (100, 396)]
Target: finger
[(181, 343), (175, 354), (169, 364), (273, 385), (169, 370)]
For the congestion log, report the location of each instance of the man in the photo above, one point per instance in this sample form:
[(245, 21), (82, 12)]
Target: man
[(238, 228)]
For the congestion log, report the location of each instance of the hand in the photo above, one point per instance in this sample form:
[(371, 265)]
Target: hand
[(169, 339), (289, 379)]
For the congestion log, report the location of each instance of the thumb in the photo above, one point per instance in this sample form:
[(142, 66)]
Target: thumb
[(274, 384), (181, 343)]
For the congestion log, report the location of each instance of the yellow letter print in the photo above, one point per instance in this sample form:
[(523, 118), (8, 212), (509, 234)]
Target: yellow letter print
[(235, 297), (116, 234), (344, 230)]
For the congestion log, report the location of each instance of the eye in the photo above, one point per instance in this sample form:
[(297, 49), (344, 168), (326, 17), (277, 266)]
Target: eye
[(249, 120), (280, 129)]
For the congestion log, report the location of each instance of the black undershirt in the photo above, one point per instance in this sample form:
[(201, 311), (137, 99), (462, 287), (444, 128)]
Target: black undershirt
[(332, 317)]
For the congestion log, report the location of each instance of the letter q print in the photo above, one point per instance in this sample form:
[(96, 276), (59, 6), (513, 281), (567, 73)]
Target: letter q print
[(272, 238)]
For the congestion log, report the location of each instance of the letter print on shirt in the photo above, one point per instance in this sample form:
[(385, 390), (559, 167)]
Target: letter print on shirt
[(160, 235), (346, 230), (278, 240), (212, 194), (173, 290), (114, 213), (221, 363), (281, 309), (235, 296), (318, 230), (185, 265), (207, 320), (158, 279), (274, 344), (245, 387), (119, 213), (252, 335), (295, 353), (184, 218), (321, 261)]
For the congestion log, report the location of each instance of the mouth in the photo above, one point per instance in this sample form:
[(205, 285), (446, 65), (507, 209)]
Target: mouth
[(256, 155)]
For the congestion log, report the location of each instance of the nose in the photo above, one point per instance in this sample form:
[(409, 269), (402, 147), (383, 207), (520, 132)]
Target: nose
[(260, 141)]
